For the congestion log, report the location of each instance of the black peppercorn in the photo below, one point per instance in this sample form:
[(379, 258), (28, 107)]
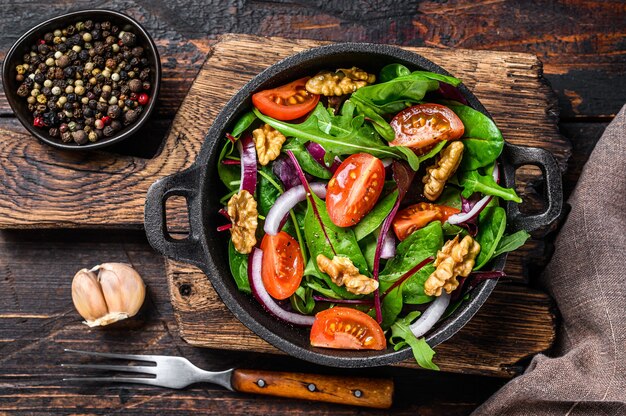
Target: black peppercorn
[(130, 117), (69, 72), (48, 37), (146, 85), (108, 131), (23, 90), (71, 98), (40, 78), (66, 137), (53, 132), (43, 49), (70, 30), (102, 107), (114, 111), (80, 137), (62, 47), (135, 85), (116, 125), (83, 55), (88, 24)]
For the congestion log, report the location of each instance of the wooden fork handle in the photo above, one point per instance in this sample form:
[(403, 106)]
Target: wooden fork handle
[(367, 392)]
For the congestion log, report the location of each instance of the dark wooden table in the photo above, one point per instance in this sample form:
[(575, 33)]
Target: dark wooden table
[(582, 45)]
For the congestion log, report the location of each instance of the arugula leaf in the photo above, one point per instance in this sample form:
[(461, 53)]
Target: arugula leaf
[(243, 123), (415, 248), (306, 160), (402, 336), (359, 140), (302, 300), (472, 182), (491, 226), (380, 124), (341, 241), (239, 267), (376, 216), (433, 152), (511, 242), (392, 71), (229, 174), (482, 138)]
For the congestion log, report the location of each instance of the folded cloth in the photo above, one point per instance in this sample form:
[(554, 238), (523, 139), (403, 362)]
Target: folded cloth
[(585, 374)]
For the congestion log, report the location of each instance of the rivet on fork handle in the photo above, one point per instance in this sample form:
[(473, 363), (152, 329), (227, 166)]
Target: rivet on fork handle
[(367, 392)]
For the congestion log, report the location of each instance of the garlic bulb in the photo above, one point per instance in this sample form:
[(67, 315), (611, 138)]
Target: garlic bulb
[(116, 292)]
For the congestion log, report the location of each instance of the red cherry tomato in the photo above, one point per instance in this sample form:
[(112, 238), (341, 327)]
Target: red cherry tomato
[(354, 189), (288, 102), (347, 328), (418, 216), (283, 265), (424, 125)]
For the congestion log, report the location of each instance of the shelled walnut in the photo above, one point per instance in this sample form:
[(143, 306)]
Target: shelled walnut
[(437, 175), (242, 210), (455, 259), (341, 82), (268, 142), (344, 273)]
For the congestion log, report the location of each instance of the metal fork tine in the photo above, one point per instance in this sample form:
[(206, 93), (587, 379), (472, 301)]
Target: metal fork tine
[(137, 380), (122, 368), (148, 358)]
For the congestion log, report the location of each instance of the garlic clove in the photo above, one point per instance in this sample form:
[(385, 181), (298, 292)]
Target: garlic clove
[(123, 289), (87, 295)]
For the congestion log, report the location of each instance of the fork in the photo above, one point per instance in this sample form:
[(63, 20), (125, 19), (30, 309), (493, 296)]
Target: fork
[(178, 372)]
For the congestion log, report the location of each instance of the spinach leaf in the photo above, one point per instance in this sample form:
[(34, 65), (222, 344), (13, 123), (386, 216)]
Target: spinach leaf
[(408, 88), (239, 267), (438, 77), (450, 197), (472, 182), (511, 242), (380, 124), (368, 248), (324, 237), (302, 301), (243, 123), (391, 307), (267, 193), (483, 141), (392, 71), (306, 160), (415, 248), (491, 225), (376, 216), (359, 140), (402, 336), (230, 175)]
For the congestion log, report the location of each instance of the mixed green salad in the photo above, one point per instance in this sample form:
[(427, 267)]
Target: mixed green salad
[(354, 199)]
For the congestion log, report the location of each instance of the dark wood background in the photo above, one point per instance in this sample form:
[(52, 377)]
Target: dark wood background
[(582, 45)]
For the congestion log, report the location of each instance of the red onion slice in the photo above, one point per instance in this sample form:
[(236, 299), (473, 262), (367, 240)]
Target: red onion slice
[(286, 202), (389, 246), (479, 206), (258, 290), (248, 163), (431, 315)]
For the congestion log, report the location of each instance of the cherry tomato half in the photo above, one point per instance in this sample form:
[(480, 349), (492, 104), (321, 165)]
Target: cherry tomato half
[(418, 216), (347, 328), (424, 125), (288, 102), (354, 189), (283, 265)]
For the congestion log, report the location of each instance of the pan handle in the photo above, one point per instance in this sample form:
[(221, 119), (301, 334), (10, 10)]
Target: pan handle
[(185, 184), (516, 156)]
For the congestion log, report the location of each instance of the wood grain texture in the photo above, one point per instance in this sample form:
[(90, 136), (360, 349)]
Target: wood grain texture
[(515, 323), (363, 392)]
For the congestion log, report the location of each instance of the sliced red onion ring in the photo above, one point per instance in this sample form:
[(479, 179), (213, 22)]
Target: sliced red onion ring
[(248, 163), (479, 206), (389, 246), (431, 315), (286, 202), (258, 290), (317, 151)]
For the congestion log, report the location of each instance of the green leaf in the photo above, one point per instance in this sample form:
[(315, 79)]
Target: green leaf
[(401, 335), (438, 77), (306, 160), (368, 248), (318, 228), (229, 174), (380, 124), (491, 226), (410, 88), (302, 300), (243, 123), (238, 267), (450, 197), (415, 248), (267, 192), (391, 307), (472, 182), (359, 140), (392, 71), (376, 216), (511, 242), (434, 151), (482, 138)]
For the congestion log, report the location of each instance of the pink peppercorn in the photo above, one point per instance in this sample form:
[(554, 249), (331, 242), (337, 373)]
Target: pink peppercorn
[(143, 99)]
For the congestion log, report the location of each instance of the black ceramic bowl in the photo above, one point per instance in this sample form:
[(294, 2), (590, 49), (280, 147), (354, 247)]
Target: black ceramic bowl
[(23, 45), (207, 249)]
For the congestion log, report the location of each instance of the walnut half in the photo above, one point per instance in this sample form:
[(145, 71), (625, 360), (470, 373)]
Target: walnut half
[(268, 142), (344, 273), (455, 259), (341, 82), (243, 214), (437, 175)]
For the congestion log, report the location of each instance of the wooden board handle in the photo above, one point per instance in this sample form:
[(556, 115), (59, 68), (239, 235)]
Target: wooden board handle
[(367, 392)]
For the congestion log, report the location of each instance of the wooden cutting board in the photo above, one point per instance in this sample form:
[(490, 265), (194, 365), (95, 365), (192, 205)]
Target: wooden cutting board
[(46, 188)]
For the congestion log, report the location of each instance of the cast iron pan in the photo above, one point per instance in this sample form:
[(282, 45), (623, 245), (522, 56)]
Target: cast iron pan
[(201, 187)]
